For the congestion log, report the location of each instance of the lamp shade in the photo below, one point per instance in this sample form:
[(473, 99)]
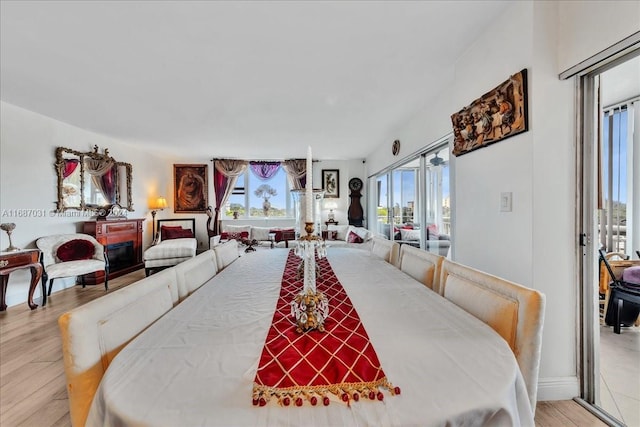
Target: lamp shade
[(159, 203), (330, 205)]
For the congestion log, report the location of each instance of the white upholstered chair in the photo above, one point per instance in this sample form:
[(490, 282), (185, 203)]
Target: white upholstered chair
[(385, 249), (421, 265), (226, 253), (69, 255), (94, 333), (195, 272), (515, 312), (168, 250)]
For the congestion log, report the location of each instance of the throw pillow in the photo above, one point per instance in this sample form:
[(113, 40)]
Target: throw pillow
[(260, 233), (75, 250), (432, 232), (362, 232), (354, 238), (164, 228), (236, 228), (176, 233), (234, 235), (409, 234)]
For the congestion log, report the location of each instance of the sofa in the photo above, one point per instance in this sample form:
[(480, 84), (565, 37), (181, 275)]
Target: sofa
[(410, 233), (259, 234)]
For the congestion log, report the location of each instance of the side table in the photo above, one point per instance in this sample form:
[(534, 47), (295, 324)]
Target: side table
[(11, 261)]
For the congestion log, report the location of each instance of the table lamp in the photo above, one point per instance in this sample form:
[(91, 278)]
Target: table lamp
[(331, 205), (158, 204)]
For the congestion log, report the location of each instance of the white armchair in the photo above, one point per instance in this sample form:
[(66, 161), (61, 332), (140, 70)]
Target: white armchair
[(68, 255), (173, 245)]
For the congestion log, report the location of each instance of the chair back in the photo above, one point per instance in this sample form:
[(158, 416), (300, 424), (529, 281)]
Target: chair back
[(603, 259), (195, 272), (226, 253), (386, 249), (421, 265), (515, 312), (49, 246), (94, 333), (618, 282)]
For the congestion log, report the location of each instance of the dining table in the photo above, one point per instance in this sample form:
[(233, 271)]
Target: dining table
[(196, 365)]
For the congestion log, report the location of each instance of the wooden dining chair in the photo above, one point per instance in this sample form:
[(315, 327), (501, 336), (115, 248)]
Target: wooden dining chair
[(623, 305)]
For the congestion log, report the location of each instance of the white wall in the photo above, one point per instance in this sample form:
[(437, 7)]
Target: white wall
[(587, 27), (535, 244), (28, 182), (347, 169)]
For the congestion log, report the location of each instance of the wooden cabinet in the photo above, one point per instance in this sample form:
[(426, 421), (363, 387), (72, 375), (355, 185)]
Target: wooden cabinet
[(122, 239)]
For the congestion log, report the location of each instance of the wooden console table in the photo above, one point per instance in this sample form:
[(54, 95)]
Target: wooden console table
[(113, 234), (11, 261)]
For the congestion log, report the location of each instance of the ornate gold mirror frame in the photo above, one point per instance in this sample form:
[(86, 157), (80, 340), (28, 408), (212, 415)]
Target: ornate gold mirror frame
[(85, 177)]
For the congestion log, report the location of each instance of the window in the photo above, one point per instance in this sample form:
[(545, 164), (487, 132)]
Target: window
[(244, 203), (617, 180)]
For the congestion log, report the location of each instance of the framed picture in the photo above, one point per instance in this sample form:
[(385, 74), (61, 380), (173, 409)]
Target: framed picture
[(331, 183), (496, 115), (190, 194)]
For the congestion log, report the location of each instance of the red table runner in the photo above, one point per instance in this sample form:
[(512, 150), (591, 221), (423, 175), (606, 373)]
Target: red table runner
[(310, 366)]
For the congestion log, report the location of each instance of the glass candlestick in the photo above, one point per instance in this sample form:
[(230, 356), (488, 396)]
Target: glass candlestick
[(310, 308)]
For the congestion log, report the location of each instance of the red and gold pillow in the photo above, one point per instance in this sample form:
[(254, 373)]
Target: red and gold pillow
[(234, 235)]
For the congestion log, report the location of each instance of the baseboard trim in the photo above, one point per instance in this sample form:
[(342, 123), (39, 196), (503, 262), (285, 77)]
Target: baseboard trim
[(558, 388)]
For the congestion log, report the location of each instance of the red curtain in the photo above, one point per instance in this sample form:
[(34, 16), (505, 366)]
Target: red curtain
[(225, 175), (70, 166)]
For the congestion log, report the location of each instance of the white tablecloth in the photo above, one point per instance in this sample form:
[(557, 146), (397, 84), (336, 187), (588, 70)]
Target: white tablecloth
[(196, 365)]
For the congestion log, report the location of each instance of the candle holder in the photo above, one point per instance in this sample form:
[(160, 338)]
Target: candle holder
[(9, 227), (310, 308)]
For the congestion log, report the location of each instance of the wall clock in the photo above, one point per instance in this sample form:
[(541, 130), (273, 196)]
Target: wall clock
[(395, 147), (355, 184)]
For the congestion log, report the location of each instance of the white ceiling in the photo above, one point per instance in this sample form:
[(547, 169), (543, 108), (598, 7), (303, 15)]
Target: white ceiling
[(237, 79)]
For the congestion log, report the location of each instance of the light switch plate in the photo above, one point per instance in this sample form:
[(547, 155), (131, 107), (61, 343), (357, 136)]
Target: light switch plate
[(505, 201)]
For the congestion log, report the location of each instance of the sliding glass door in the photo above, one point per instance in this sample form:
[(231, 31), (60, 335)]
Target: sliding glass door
[(437, 202), (412, 203)]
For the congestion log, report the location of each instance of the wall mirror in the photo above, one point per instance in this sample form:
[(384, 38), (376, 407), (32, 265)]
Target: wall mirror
[(91, 180)]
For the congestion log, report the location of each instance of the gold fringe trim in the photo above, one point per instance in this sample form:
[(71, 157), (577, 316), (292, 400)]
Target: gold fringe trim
[(347, 392)]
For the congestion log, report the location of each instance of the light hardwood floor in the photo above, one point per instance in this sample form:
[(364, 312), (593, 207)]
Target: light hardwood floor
[(32, 382)]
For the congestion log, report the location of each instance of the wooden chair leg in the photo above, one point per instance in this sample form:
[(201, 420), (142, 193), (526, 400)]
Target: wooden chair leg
[(147, 271), (106, 279), (82, 281), (50, 286), (44, 280)]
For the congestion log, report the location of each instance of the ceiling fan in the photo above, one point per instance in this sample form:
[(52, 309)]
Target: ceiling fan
[(435, 160)]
